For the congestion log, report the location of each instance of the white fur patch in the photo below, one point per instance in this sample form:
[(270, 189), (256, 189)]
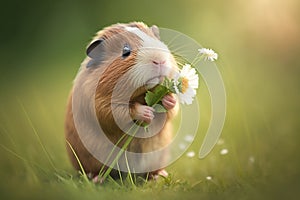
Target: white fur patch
[(151, 50), (148, 42)]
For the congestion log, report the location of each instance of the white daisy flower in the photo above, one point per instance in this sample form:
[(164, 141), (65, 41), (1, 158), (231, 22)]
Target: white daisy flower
[(185, 84), (208, 54), (175, 83), (208, 178)]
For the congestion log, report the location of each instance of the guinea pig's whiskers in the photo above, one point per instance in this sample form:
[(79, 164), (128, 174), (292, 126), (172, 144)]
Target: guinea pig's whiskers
[(154, 48), (180, 60), (180, 64), (146, 66), (181, 50), (143, 53), (173, 39)]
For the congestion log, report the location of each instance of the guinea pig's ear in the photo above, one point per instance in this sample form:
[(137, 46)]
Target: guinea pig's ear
[(95, 49), (155, 31)]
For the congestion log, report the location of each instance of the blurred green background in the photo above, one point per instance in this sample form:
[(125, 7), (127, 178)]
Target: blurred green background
[(258, 41)]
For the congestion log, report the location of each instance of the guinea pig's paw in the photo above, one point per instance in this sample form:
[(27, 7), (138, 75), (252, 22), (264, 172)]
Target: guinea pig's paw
[(143, 113), (160, 173), (97, 180), (163, 173), (169, 101)]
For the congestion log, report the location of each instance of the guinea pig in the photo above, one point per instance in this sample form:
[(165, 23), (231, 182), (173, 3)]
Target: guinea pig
[(125, 61)]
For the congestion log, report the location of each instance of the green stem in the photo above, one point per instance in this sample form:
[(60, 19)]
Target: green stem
[(127, 142), (160, 98), (129, 171), (162, 95), (124, 147), (197, 59), (110, 154)]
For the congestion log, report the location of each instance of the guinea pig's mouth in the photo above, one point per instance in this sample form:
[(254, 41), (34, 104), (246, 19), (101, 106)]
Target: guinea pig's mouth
[(155, 80), (152, 82)]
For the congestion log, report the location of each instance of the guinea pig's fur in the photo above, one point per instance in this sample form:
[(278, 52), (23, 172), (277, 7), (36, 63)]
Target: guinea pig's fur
[(137, 70)]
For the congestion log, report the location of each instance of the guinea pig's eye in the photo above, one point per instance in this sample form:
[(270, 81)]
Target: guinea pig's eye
[(126, 51)]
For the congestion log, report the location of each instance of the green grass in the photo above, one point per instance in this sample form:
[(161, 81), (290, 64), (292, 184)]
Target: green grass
[(34, 160), (258, 44)]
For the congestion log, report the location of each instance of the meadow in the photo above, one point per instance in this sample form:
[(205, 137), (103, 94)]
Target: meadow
[(43, 45)]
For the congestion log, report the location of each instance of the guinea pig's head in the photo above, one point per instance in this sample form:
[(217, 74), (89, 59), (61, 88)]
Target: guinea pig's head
[(133, 49)]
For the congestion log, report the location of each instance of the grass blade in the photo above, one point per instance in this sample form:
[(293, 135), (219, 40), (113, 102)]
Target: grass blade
[(21, 158), (80, 165), (37, 136), (129, 172)]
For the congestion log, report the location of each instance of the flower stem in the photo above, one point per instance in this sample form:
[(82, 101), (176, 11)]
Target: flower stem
[(110, 154), (103, 174), (197, 59), (124, 147)]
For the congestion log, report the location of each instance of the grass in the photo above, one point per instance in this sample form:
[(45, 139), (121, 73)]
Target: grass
[(41, 50), (34, 161), (261, 134)]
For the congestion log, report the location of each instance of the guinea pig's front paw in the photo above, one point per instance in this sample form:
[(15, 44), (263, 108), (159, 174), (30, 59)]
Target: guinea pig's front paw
[(143, 113), (169, 101)]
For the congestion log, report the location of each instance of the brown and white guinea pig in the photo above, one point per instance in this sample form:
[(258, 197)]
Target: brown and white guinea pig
[(125, 60)]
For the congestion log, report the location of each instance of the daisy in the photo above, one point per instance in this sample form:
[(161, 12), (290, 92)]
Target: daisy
[(208, 54), (185, 84)]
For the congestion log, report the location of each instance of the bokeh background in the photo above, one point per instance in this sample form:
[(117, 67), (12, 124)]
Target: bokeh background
[(42, 44)]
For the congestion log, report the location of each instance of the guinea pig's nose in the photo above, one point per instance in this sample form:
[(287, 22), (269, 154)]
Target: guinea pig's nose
[(158, 63)]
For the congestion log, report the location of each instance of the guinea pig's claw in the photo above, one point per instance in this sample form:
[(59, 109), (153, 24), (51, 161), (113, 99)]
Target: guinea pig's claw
[(163, 173), (159, 173), (147, 116), (169, 101), (97, 180), (144, 113)]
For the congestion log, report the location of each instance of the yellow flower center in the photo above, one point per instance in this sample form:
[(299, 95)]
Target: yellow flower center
[(185, 84)]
